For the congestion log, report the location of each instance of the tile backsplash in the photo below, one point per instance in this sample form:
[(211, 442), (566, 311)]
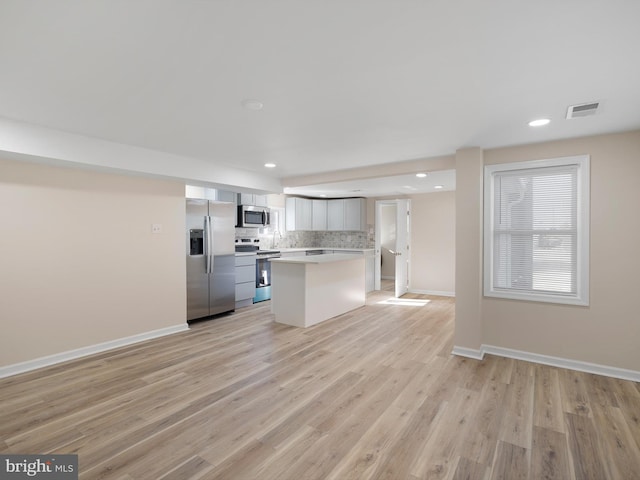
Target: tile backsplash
[(309, 239)]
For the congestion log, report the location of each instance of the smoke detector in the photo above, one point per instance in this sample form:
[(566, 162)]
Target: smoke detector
[(582, 110)]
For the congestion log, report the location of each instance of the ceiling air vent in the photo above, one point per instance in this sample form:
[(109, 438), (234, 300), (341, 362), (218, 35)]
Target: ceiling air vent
[(583, 110)]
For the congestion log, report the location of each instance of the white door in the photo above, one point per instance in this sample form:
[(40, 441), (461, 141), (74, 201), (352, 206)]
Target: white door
[(402, 246), (401, 249)]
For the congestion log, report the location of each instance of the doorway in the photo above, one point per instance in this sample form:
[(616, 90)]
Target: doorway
[(392, 244)]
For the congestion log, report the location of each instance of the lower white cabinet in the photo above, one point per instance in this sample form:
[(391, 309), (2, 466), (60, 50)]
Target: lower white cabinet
[(245, 280), (370, 272)]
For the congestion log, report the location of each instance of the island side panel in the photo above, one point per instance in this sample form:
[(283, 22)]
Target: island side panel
[(288, 293), (333, 289)]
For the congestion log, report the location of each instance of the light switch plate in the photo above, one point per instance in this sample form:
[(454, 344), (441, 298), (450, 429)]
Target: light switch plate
[(156, 228)]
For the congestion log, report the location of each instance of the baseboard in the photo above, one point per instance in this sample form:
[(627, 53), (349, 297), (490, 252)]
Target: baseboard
[(49, 360), (433, 292), (567, 363), (468, 352)]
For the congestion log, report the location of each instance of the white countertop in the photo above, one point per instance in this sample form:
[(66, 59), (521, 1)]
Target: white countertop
[(317, 259), (304, 249)]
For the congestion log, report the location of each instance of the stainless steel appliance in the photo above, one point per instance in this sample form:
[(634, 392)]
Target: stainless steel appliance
[(252, 216), (210, 258), (263, 274)]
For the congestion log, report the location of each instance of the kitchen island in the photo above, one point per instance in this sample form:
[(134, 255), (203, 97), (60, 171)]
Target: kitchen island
[(306, 290)]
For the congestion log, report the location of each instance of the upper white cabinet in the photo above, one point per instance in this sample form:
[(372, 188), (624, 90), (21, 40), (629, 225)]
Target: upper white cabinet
[(226, 196), (319, 215), (298, 213), (335, 214), (355, 214), (340, 214), (347, 214), (192, 191), (252, 199)]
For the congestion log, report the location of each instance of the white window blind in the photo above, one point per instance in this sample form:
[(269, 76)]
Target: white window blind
[(536, 230)]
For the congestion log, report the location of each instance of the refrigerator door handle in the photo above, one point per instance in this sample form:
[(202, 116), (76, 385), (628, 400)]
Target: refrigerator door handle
[(211, 245), (207, 245)]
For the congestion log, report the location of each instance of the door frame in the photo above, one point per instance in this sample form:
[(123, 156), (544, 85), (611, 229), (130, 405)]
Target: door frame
[(378, 255)]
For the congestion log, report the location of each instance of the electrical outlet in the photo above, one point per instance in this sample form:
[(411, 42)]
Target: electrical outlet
[(156, 228)]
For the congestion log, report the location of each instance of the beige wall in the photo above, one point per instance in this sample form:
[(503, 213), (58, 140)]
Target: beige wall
[(79, 263), (607, 331), (433, 233), (468, 330)]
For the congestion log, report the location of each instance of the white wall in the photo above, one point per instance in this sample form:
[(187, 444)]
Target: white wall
[(80, 265)]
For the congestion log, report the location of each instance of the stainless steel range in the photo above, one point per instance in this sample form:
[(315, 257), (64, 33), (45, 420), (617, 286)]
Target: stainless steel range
[(263, 274), (263, 269)]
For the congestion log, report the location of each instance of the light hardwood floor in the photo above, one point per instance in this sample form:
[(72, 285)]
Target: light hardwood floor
[(371, 394)]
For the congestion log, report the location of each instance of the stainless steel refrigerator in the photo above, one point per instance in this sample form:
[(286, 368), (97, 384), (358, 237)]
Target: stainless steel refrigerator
[(210, 258)]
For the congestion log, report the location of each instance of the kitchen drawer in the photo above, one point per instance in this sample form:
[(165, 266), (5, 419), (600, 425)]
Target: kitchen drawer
[(246, 273), (242, 260), (245, 290)]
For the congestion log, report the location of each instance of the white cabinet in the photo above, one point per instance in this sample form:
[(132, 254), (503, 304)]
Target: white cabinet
[(335, 214), (225, 196), (370, 272), (298, 213), (355, 214), (252, 199), (299, 253), (245, 280), (319, 215), (347, 214), (191, 191)]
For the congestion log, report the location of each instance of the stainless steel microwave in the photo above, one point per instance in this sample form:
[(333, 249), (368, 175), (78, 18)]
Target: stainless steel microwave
[(252, 216)]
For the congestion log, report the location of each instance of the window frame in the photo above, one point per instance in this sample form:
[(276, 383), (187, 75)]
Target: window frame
[(582, 230)]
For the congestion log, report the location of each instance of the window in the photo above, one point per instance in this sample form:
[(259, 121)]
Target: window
[(536, 230)]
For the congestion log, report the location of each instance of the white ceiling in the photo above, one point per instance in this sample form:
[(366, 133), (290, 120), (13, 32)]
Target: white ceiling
[(345, 84), (398, 185)]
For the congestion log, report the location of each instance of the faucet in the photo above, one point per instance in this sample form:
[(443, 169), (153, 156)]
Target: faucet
[(274, 242)]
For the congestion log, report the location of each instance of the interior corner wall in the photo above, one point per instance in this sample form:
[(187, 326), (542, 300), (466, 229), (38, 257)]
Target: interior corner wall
[(433, 235), (80, 265), (607, 331)]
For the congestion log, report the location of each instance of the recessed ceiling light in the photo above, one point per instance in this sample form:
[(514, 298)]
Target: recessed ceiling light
[(409, 187), (251, 104), (270, 165), (421, 175), (539, 122), (437, 187)]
